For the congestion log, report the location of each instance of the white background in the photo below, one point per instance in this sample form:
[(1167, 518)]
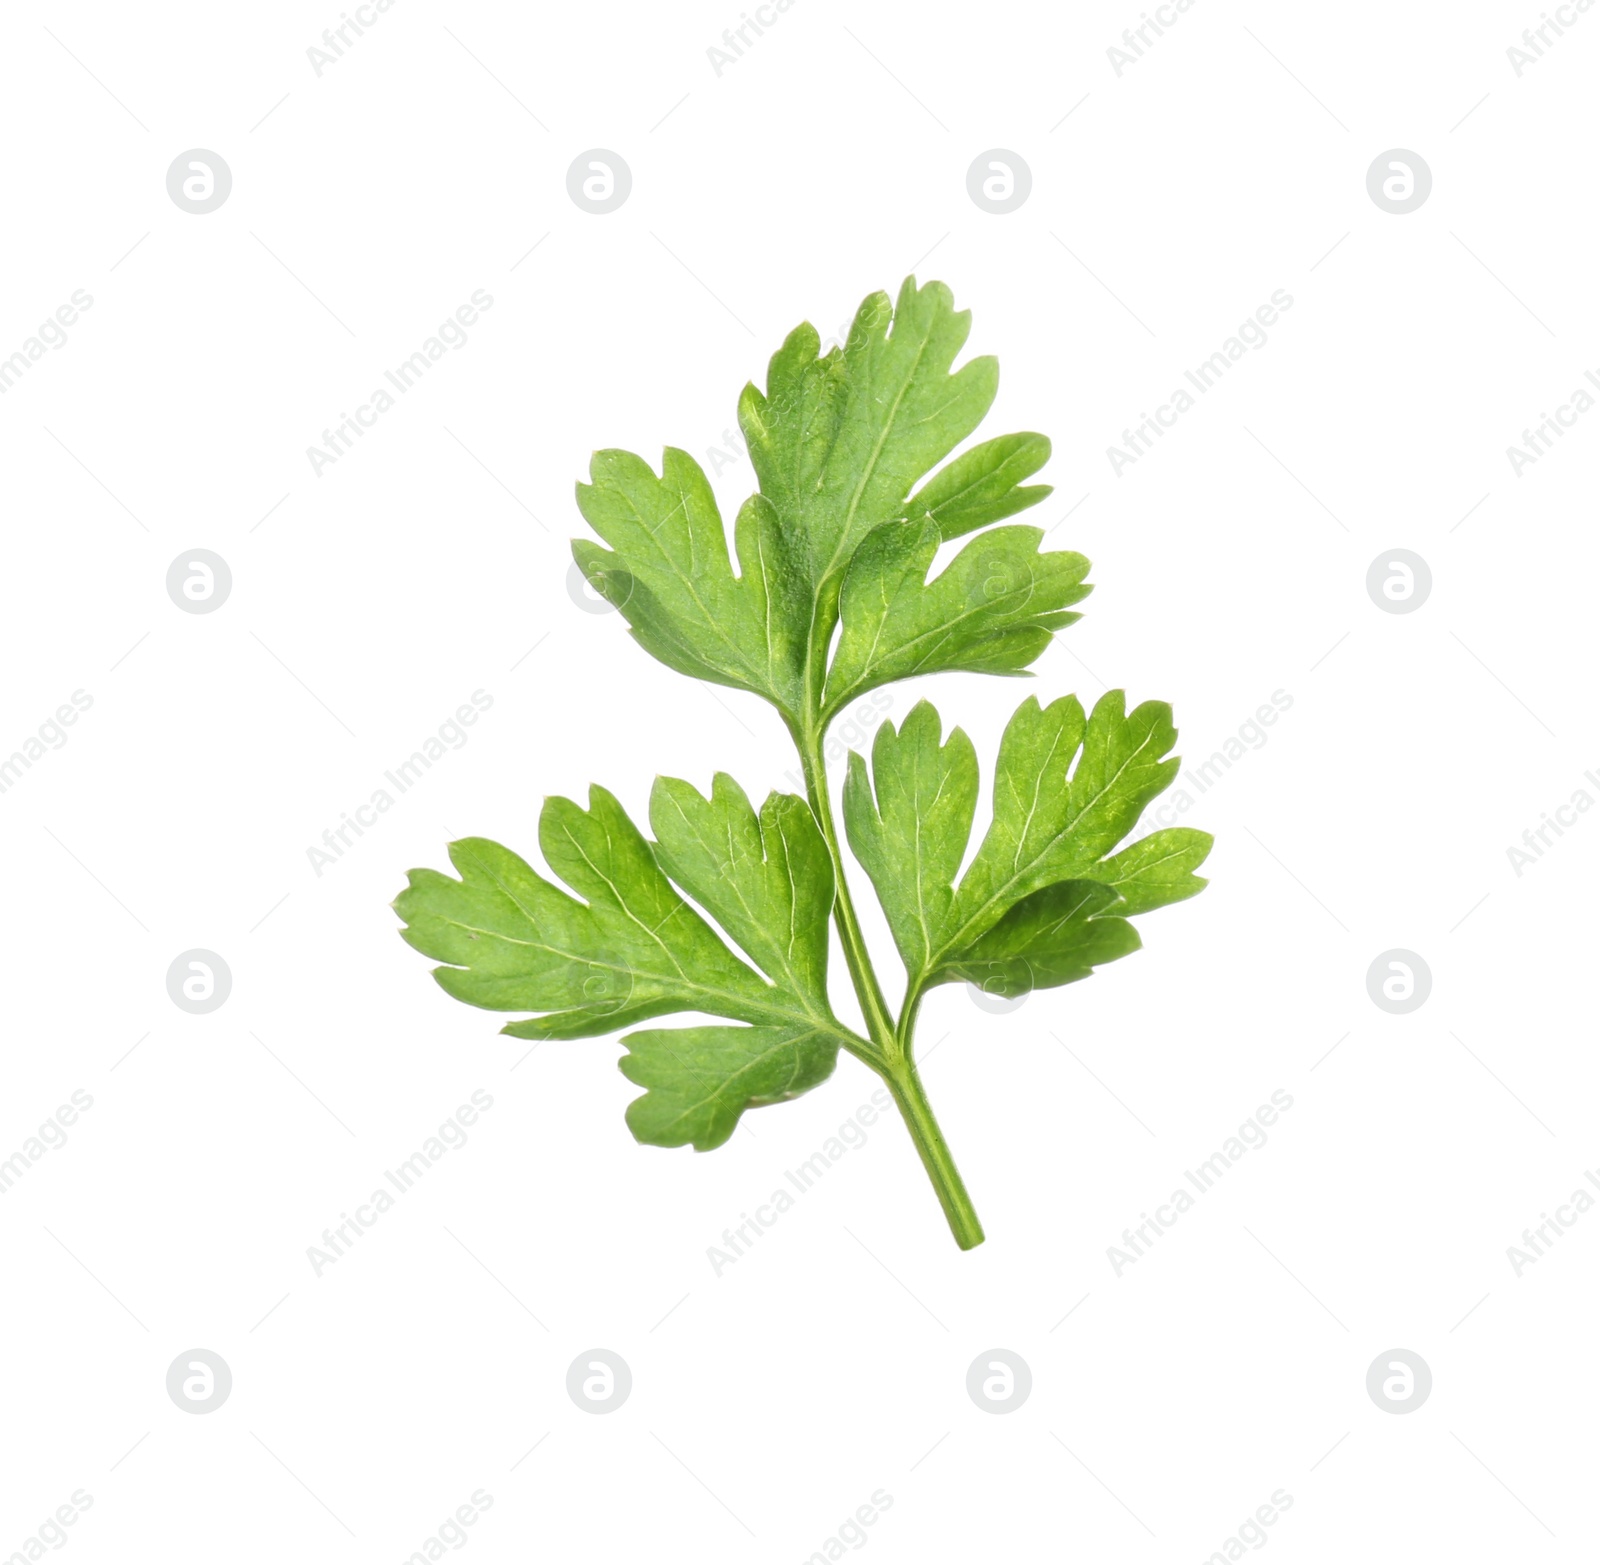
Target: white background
[(368, 603)]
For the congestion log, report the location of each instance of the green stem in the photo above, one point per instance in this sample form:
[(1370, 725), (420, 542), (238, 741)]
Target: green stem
[(906, 1086), (875, 1010), (892, 1043)]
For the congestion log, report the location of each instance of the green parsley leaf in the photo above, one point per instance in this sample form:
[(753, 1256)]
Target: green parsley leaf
[(909, 825), (702, 1078), (983, 485), (992, 610), (1056, 936), (633, 949), (1067, 789), (669, 573), (1049, 825), (767, 881), (838, 441), (1158, 869)]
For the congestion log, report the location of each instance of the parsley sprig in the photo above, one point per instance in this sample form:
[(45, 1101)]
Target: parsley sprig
[(827, 595)]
